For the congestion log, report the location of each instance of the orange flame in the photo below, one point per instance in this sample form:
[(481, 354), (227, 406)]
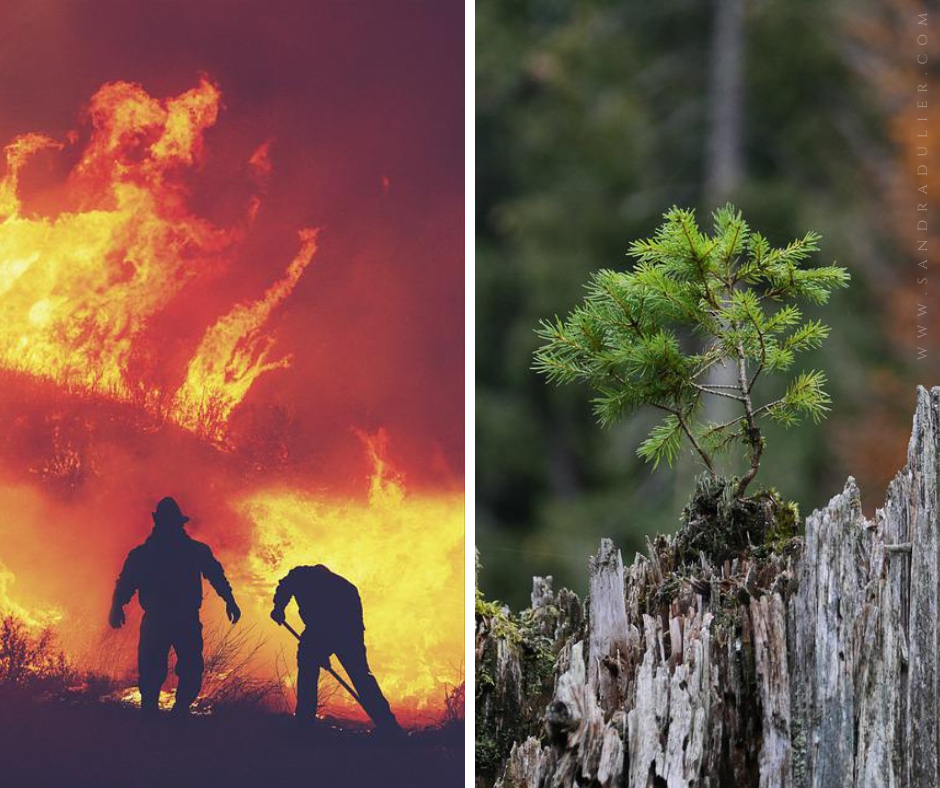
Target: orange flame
[(79, 289), (31, 616), (405, 554), (234, 353)]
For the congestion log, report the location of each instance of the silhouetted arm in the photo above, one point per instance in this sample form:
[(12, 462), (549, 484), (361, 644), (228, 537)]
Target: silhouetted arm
[(282, 597), (213, 571), (127, 581), (124, 589)]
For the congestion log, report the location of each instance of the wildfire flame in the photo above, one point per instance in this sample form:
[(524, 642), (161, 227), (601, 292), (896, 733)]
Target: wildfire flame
[(32, 617), (234, 353), (404, 552), (81, 291), (77, 291)]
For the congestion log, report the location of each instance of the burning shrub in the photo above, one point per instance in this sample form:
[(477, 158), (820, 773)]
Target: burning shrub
[(31, 662), (83, 285), (454, 706)]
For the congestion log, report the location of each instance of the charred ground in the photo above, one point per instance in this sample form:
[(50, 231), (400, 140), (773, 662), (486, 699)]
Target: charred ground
[(107, 745)]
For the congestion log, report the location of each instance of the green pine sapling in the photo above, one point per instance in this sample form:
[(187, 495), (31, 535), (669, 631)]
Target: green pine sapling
[(649, 337)]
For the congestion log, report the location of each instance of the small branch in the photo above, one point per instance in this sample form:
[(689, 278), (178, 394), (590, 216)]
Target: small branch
[(732, 278), (673, 300), (760, 368), (595, 342), (768, 406), (696, 444), (772, 293), (706, 390), (763, 356), (720, 427), (631, 320), (685, 428), (709, 296), (702, 370)]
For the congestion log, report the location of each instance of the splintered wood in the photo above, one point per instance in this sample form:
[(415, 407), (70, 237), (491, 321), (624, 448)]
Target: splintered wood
[(814, 666)]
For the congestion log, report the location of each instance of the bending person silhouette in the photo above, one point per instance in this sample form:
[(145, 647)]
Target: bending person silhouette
[(332, 614), (166, 572)]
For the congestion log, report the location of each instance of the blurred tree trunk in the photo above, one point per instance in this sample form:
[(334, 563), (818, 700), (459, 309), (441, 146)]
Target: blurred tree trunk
[(724, 161), (724, 165), (809, 663)]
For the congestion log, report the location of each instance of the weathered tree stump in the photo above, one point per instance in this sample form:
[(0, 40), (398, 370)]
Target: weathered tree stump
[(811, 663)]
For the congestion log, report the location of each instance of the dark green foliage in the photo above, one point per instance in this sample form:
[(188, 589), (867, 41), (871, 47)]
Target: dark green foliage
[(650, 336)]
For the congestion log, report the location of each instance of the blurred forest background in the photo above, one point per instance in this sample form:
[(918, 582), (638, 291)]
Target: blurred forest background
[(593, 118)]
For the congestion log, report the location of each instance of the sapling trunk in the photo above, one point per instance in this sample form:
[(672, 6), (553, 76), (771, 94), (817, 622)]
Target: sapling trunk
[(754, 439)]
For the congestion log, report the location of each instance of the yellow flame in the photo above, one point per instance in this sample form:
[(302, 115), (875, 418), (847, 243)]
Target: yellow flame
[(405, 554), (35, 618), (234, 353), (77, 290)]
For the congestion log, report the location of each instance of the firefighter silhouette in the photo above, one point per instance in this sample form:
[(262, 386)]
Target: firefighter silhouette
[(332, 614), (166, 572)]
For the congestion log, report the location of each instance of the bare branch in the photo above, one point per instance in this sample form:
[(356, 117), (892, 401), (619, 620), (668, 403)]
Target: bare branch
[(708, 390)]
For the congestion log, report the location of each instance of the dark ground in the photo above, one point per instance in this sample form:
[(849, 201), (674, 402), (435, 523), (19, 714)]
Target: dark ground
[(100, 746)]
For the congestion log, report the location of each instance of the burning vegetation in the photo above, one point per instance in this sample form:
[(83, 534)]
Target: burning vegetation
[(411, 585), (115, 394), (78, 290)]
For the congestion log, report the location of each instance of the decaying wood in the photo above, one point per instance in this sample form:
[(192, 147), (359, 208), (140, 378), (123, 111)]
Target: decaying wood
[(815, 664)]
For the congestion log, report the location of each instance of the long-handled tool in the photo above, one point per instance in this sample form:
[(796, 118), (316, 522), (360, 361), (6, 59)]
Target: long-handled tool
[(329, 669)]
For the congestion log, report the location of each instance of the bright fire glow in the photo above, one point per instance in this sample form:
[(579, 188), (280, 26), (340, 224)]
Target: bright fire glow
[(83, 290), (77, 291), (403, 552), (233, 354)]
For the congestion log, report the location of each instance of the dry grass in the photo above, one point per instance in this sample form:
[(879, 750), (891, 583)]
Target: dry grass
[(454, 704), (232, 682)]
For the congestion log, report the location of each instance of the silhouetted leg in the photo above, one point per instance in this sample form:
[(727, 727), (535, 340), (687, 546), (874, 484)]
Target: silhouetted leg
[(187, 642), (152, 651), (308, 676), (356, 665)]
